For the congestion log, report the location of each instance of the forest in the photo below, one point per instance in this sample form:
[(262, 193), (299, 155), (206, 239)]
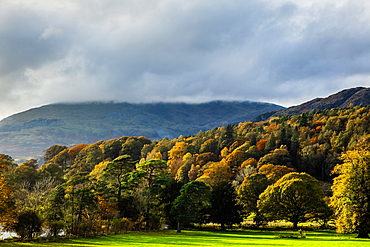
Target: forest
[(294, 168)]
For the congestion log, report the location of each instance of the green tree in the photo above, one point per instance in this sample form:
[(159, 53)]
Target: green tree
[(28, 224), (52, 151), (132, 147), (81, 205), (296, 197), (187, 207), (167, 195), (351, 190), (153, 169), (117, 173), (224, 207), (249, 192), (55, 211)]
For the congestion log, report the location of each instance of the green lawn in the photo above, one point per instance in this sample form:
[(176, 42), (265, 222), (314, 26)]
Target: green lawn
[(211, 238)]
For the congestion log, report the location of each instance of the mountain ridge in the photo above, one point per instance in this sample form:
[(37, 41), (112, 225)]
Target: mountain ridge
[(344, 98), (28, 133)]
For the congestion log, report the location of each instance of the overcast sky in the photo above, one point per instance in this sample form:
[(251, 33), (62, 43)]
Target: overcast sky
[(278, 51)]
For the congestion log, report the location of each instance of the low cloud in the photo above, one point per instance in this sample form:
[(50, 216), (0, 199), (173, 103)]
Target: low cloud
[(284, 52)]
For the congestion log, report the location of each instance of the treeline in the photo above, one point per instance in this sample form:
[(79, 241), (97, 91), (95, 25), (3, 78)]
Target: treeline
[(218, 176)]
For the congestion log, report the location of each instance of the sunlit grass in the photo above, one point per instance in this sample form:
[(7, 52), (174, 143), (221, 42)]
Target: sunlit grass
[(211, 238)]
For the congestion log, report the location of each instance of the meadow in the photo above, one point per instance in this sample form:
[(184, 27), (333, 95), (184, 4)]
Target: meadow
[(208, 238)]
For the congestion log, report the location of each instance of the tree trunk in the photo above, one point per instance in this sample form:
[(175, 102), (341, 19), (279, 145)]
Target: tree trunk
[(178, 227), (362, 233), (295, 224), (223, 227)]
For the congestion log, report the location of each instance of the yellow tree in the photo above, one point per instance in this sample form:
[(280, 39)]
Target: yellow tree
[(175, 157), (351, 190), (274, 172), (216, 172), (296, 197)]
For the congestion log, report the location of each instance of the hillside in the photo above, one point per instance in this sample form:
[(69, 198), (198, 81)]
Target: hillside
[(353, 96), (28, 133)]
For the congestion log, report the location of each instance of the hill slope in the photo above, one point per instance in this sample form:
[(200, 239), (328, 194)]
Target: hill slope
[(355, 96), (28, 133)]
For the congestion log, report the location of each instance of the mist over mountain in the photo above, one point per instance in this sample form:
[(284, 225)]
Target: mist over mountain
[(28, 133)]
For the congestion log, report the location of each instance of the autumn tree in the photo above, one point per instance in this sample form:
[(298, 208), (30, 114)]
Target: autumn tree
[(351, 190), (274, 172), (183, 171), (86, 160), (7, 209), (216, 172), (279, 156), (175, 157), (249, 192), (296, 197)]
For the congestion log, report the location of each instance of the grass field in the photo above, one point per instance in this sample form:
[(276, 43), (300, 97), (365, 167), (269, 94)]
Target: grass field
[(210, 238)]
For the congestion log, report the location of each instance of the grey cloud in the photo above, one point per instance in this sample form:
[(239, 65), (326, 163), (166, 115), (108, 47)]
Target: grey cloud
[(139, 51)]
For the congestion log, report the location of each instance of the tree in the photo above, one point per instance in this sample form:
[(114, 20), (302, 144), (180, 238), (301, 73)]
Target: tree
[(279, 156), (7, 210), (175, 157), (249, 192), (193, 198), (23, 175), (54, 211), (224, 207), (81, 204), (167, 195), (296, 197), (52, 151), (183, 171), (117, 172), (51, 170), (351, 190), (216, 172), (274, 172), (86, 160), (153, 169), (28, 224)]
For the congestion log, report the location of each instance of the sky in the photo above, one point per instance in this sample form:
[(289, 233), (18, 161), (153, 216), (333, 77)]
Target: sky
[(277, 51)]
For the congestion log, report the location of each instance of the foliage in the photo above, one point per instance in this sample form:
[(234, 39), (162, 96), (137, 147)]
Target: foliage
[(134, 182), (224, 208), (249, 192), (28, 224), (296, 197), (351, 191), (188, 206)]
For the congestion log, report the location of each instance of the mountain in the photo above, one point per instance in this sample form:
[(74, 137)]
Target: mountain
[(28, 133), (344, 98)]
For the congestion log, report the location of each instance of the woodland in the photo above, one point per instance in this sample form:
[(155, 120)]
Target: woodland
[(314, 166)]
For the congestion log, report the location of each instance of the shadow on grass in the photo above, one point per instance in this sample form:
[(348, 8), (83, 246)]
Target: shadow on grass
[(209, 238)]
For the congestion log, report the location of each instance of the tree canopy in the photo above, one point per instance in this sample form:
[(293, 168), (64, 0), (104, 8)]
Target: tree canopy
[(296, 197), (351, 190)]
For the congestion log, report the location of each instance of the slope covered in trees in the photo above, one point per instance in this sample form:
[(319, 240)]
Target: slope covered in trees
[(352, 96), (29, 133), (135, 182)]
